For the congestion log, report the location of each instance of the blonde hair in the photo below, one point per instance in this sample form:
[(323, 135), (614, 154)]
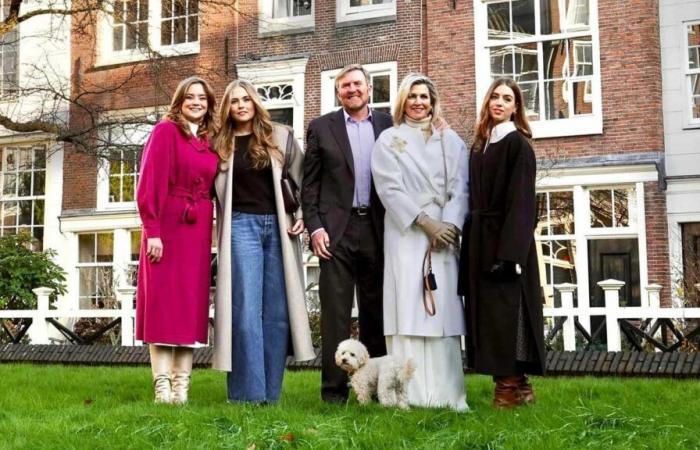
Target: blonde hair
[(262, 145), (407, 83), (174, 114), (483, 127), (349, 68)]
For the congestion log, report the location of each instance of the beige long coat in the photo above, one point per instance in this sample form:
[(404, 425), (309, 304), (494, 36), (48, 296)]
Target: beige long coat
[(291, 256)]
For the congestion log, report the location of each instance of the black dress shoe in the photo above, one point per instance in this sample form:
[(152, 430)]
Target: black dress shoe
[(336, 399)]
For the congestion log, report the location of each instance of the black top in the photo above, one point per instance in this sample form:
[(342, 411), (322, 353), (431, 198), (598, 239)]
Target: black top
[(253, 192)]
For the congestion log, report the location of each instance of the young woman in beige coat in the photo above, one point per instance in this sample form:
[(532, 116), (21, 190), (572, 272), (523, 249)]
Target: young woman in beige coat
[(260, 293)]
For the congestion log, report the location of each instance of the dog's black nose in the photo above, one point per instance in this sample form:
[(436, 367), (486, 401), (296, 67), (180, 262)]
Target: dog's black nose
[(345, 360)]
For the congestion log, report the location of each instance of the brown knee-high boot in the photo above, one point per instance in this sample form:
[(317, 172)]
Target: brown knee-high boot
[(161, 366), (182, 370)]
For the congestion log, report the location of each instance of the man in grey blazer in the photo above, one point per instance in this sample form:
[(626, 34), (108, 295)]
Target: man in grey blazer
[(345, 219)]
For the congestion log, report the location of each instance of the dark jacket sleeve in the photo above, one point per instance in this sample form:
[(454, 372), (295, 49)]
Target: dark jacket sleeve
[(517, 233), (311, 184)]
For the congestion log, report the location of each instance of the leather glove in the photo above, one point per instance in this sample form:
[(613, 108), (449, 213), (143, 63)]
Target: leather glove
[(441, 234)]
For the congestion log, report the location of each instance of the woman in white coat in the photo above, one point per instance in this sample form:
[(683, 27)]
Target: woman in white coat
[(420, 173)]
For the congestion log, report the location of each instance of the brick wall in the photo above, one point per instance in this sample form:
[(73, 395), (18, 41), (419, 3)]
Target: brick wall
[(657, 239)]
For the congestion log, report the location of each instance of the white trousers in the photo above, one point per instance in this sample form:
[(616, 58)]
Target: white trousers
[(438, 380)]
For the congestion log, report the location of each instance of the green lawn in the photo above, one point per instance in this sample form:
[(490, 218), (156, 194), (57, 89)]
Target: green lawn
[(62, 407)]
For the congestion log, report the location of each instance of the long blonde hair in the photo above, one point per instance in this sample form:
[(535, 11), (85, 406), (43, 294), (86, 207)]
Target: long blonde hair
[(405, 88), (174, 114), (483, 127), (262, 145)]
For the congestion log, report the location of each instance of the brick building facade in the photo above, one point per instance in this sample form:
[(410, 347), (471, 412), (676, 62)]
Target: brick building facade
[(583, 68)]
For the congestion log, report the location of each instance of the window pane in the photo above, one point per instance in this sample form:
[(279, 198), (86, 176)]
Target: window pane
[(561, 212), (179, 35), (549, 17), (87, 281), (192, 29), (525, 62), (380, 89), (39, 158), (179, 8), (39, 183), (135, 244), (601, 208), (555, 100), (9, 214), (301, 7), (25, 158), (117, 38), (25, 212), (523, 18), (532, 100), (501, 61), (558, 262), (128, 188), (695, 95), (166, 8), (24, 188), (38, 212), (690, 238), (131, 10), (143, 10), (38, 234), (554, 59), (119, 11), (499, 20), (282, 115), (9, 185), (577, 14), (86, 248), (166, 29), (582, 97), (105, 247), (580, 57), (10, 159), (622, 204)]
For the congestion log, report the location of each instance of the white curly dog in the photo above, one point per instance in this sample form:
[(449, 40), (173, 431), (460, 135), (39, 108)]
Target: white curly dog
[(387, 377)]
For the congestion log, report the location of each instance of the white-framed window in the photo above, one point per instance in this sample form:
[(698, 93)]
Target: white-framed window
[(95, 270), (133, 264), (280, 85), (691, 39), (285, 16), (9, 56), (120, 145), (383, 77), (349, 11), (551, 48), (592, 227), (22, 191), (130, 30)]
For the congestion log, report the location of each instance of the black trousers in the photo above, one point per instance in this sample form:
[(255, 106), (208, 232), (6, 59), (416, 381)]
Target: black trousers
[(357, 263)]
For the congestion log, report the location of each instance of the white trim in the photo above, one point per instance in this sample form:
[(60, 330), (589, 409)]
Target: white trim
[(688, 120), (106, 55), (598, 176), (573, 126), (328, 83), (102, 222), (346, 13), (292, 71), (283, 25)]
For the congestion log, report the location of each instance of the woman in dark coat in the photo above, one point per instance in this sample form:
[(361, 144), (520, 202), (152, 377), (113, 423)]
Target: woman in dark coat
[(498, 268)]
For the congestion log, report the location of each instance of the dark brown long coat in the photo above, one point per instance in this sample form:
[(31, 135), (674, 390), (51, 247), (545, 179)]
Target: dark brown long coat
[(500, 227)]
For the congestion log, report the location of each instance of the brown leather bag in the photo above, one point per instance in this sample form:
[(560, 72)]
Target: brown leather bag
[(290, 190)]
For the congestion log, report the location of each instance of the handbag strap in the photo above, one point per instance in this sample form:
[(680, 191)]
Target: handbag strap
[(428, 297), (287, 155)]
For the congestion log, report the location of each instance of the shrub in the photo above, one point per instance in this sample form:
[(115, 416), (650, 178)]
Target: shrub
[(22, 270)]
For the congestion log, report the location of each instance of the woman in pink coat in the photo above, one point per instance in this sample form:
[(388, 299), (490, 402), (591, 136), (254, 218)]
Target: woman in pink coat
[(174, 200)]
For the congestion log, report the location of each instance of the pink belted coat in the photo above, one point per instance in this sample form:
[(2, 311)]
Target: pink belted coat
[(174, 200)]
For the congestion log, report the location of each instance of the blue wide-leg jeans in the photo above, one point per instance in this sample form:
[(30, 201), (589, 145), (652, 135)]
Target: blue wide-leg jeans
[(260, 319)]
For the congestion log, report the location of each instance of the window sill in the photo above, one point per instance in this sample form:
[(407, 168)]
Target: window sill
[(691, 126), (284, 31), (352, 20), (287, 25), (126, 57), (580, 126)]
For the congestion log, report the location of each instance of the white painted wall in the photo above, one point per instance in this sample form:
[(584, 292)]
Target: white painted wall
[(681, 139)]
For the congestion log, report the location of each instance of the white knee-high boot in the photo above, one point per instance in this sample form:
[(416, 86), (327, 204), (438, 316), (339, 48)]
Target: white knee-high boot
[(182, 370), (161, 366)]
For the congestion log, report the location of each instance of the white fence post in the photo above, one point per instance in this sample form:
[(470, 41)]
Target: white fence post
[(125, 295), (654, 291), (567, 305), (39, 330), (612, 312)]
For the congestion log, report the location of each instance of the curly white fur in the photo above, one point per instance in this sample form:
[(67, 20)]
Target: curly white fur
[(387, 377)]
